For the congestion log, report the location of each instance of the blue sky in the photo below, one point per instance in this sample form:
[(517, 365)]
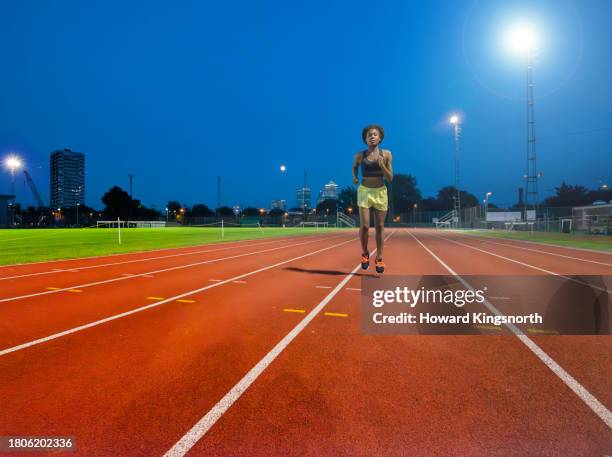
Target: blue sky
[(180, 93)]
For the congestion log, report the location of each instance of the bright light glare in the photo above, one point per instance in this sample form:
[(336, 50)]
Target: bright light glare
[(521, 39), (13, 163), (454, 119), (283, 168)]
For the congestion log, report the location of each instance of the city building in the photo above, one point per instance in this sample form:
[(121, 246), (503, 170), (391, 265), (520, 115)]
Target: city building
[(303, 198), (67, 178), (279, 204), (4, 209), (331, 191)]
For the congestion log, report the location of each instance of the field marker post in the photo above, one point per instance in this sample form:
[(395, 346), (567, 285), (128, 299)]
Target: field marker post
[(119, 229)]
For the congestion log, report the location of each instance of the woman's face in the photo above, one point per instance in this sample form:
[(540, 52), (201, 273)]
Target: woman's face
[(373, 137)]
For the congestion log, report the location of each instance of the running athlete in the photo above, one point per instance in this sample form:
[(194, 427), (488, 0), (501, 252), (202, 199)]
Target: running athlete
[(376, 166)]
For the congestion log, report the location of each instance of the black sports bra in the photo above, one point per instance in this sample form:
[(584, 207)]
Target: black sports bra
[(370, 169)]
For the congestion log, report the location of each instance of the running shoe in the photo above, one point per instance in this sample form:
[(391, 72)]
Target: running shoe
[(380, 265), (365, 260)]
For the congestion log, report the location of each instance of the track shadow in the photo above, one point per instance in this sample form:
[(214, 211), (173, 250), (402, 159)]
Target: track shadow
[(328, 272)]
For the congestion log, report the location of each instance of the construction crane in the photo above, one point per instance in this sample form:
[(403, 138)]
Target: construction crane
[(33, 188)]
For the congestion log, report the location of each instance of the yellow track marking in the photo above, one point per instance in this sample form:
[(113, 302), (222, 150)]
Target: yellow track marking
[(289, 310), (76, 291), (53, 288), (543, 331), (186, 301), (336, 314), (155, 298)]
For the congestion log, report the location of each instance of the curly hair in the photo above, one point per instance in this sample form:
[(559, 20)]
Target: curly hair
[(367, 128)]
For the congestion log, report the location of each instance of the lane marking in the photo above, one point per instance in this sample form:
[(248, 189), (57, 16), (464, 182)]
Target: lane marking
[(187, 441), (159, 303), (538, 250), (323, 287), (186, 301), (353, 288), (122, 278), (181, 254), (215, 280), (336, 314), (155, 298), (290, 310), (224, 243), (589, 399), (127, 274), (542, 331), (76, 291), (52, 288), (239, 282), (603, 289)]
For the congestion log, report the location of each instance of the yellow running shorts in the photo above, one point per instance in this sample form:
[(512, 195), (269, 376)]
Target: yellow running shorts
[(372, 197)]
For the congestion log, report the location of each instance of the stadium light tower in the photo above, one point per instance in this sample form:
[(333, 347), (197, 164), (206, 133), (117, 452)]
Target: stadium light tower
[(455, 121), (522, 41)]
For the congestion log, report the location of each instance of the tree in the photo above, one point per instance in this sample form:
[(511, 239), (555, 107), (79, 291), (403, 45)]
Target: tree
[(347, 197), (446, 199), (276, 212), (567, 195), (117, 203), (250, 211), (173, 206), (404, 193), (329, 204), (201, 210), (225, 211)]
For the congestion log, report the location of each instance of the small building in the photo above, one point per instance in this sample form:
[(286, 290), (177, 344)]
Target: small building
[(595, 218), (4, 209)]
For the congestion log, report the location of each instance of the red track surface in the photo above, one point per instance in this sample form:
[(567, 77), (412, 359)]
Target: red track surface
[(137, 384)]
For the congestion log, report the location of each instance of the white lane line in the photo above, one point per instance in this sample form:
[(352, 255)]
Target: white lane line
[(205, 423), (323, 287), (485, 240), (153, 305), (122, 278), (353, 288), (589, 399), (223, 243), (539, 243), (603, 289), (125, 262)]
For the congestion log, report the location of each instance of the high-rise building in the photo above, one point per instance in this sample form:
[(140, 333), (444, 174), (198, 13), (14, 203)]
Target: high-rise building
[(279, 204), (303, 198), (331, 191), (67, 178)]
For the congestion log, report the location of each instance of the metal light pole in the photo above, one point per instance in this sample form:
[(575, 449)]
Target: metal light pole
[(487, 195), (457, 201), (77, 211)]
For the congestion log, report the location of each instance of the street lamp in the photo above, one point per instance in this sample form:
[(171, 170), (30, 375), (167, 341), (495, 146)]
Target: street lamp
[(455, 121), (486, 202), (77, 211)]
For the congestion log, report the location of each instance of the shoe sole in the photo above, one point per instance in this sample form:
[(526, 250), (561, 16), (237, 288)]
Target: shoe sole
[(380, 270)]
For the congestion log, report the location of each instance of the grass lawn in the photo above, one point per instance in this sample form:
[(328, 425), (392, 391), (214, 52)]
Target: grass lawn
[(596, 242), (35, 245)]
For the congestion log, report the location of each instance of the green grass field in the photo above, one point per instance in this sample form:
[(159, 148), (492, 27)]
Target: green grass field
[(596, 242), (35, 245)]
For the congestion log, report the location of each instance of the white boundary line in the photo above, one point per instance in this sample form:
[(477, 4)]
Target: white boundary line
[(478, 232), (188, 440), (589, 399), (488, 240), (153, 305), (139, 275), (146, 251), (88, 267), (569, 278)]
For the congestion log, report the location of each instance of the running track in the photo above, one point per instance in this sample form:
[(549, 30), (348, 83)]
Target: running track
[(216, 365)]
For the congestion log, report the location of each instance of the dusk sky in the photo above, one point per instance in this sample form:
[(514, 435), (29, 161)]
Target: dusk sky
[(178, 93)]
